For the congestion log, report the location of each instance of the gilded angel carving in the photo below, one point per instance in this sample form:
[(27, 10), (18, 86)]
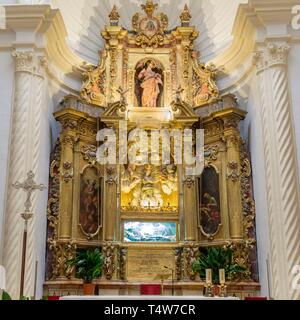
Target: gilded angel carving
[(148, 184), (204, 86), (93, 88)]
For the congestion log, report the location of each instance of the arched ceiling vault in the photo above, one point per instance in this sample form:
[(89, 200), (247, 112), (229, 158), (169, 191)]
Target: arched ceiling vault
[(84, 19)]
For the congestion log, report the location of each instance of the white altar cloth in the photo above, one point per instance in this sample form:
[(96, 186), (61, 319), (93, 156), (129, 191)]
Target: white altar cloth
[(146, 298)]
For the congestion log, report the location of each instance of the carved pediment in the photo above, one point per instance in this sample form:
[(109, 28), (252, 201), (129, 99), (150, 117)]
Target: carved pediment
[(183, 112), (150, 28), (114, 113)]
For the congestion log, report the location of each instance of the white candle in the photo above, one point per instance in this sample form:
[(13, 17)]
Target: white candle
[(208, 276), (222, 276)]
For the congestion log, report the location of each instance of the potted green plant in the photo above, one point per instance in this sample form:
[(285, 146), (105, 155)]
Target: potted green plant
[(88, 264), (216, 259)]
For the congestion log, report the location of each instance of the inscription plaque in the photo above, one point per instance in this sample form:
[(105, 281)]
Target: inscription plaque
[(146, 264)]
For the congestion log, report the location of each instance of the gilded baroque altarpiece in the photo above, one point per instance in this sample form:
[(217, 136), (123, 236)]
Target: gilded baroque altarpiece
[(152, 78)]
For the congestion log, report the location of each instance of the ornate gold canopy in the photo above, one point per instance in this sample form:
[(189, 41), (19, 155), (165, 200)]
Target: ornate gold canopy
[(149, 39)]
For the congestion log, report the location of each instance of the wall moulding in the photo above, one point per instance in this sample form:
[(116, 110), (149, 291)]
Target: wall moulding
[(65, 67)]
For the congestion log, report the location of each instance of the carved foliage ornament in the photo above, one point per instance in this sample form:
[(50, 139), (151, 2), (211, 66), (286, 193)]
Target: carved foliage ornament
[(109, 260), (150, 28), (190, 256), (122, 258), (179, 263), (62, 254), (67, 171), (54, 196), (205, 89)]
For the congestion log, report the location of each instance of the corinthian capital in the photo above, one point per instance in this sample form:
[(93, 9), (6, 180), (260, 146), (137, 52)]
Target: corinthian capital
[(24, 61), (278, 54), (271, 56)]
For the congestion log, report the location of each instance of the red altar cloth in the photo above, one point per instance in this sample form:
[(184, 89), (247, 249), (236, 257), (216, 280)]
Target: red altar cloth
[(150, 289)]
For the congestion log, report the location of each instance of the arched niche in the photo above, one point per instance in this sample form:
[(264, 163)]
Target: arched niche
[(140, 71)]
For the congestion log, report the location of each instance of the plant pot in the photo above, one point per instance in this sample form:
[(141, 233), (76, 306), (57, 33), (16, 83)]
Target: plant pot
[(89, 289), (216, 290)]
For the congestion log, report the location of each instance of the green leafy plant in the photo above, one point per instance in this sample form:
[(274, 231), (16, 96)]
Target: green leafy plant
[(6, 296), (216, 259), (88, 264)]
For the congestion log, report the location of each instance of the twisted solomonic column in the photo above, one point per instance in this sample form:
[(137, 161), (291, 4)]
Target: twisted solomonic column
[(281, 168), (29, 100)]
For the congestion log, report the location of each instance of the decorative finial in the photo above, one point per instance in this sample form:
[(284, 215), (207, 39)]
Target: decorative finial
[(185, 16), (114, 16), (149, 7)]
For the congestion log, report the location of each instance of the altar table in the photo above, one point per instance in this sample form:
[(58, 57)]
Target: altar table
[(146, 298)]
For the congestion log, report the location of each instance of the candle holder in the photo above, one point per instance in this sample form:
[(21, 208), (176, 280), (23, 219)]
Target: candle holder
[(223, 292), (208, 290)]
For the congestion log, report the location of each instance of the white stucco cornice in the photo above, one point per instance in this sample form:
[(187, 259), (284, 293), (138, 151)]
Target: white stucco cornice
[(256, 23), (41, 28)]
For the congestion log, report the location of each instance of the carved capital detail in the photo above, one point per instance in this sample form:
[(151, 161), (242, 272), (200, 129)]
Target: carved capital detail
[(273, 55), (24, 61), (111, 176), (233, 171), (190, 182)]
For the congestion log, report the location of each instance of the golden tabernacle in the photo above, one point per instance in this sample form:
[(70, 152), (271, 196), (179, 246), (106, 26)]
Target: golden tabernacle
[(149, 218)]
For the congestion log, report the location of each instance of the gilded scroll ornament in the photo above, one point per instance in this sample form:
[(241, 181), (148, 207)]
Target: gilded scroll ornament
[(211, 153), (205, 89), (93, 88), (89, 153)]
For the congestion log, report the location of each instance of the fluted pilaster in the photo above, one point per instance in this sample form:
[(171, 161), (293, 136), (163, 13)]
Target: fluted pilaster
[(281, 168)]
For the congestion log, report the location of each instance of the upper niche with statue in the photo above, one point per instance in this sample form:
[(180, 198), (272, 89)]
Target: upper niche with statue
[(149, 67)]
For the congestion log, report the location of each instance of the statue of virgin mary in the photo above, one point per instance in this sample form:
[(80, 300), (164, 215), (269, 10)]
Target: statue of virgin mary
[(150, 85)]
